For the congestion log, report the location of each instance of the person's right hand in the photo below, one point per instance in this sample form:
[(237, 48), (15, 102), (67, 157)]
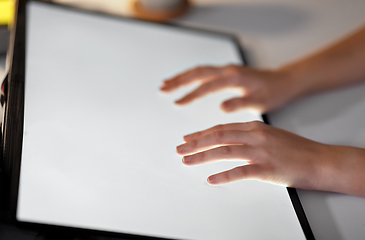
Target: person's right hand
[(260, 90)]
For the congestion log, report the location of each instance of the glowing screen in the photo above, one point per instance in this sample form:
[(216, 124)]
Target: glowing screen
[(99, 139)]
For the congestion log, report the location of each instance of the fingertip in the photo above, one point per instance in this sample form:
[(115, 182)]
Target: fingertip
[(168, 87), (212, 180), (180, 148), (163, 88), (227, 107), (186, 160), (180, 102), (167, 81)]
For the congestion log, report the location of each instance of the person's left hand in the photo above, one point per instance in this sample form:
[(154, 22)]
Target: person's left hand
[(273, 155), (261, 90)]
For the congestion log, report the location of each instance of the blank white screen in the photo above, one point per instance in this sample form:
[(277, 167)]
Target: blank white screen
[(99, 139)]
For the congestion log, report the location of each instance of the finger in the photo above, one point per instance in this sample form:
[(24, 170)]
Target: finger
[(235, 104), (215, 85), (231, 152), (246, 126), (247, 172), (196, 74), (213, 140)]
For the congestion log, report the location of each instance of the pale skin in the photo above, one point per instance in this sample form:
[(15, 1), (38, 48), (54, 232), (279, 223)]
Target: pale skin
[(274, 155)]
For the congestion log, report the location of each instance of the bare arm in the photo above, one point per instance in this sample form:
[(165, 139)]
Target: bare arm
[(276, 156), (266, 90), (336, 66)]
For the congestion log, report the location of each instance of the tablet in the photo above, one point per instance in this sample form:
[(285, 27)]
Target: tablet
[(90, 141)]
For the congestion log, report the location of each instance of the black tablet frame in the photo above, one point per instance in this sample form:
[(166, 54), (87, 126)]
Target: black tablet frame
[(12, 137)]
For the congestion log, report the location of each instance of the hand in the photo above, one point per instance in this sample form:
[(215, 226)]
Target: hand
[(272, 155), (260, 90), (276, 156)]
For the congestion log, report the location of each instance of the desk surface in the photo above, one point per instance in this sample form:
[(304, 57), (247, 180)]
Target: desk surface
[(276, 32)]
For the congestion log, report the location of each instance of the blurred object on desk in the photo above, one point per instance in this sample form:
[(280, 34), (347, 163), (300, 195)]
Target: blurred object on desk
[(7, 10), (160, 10), (113, 7), (150, 10)]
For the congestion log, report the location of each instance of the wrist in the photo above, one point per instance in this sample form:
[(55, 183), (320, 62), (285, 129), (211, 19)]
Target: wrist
[(342, 169), (296, 85)]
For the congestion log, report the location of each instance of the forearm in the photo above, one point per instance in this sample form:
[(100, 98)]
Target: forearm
[(337, 66), (343, 170)]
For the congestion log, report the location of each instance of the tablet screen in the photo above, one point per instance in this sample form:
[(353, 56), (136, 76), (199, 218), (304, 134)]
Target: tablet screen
[(99, 137)]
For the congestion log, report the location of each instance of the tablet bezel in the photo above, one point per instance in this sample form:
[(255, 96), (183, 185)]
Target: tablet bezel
[(12, 130)]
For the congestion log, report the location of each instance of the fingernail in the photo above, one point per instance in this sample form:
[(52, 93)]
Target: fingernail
[(180, 148), (212, 180), (186, 159)]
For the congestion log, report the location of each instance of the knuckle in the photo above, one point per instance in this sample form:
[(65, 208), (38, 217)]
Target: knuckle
[(225, 151), (230, 65), (235, 80), (197, 134), (201, 157), (219, 136), (256, 124), (235, 71), (264, 155), (199, 69), (194, 143), (231, 69), (219, 127), (262, 135), (205, 87), (226, 177), (242, 172)]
